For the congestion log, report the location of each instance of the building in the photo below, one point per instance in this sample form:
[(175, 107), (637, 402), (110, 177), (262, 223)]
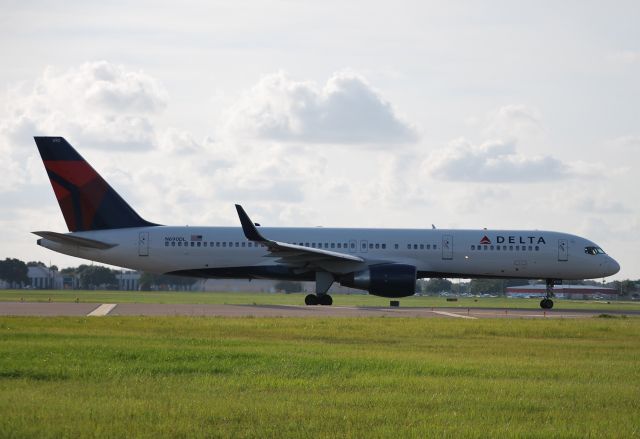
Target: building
[(43, 278), (580, 292), (128, 280)]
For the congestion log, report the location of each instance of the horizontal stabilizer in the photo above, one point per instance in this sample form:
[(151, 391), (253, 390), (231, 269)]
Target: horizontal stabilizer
[(77, 241)]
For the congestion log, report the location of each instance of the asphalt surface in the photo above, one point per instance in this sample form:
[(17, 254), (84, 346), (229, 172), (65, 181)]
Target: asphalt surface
[(152, 309)]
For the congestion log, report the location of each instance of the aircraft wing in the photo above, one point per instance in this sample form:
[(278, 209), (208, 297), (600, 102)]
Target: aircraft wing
[(62, 238), (292, 254)]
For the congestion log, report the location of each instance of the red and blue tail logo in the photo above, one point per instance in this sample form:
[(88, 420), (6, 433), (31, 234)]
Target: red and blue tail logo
[(86, 199)]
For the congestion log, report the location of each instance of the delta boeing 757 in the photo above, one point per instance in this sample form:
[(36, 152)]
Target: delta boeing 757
[(384, 262)]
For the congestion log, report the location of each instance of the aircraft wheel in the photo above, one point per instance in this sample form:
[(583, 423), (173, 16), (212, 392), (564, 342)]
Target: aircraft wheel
[(325, 299), (311, 299), (546, 304)]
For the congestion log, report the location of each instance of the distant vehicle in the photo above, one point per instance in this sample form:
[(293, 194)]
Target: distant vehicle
[(384, 262)]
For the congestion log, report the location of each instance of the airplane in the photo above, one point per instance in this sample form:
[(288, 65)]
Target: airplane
[(384, 262)]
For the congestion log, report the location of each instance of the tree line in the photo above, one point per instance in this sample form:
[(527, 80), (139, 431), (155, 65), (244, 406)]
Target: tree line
[(499, 286), (15, 273)]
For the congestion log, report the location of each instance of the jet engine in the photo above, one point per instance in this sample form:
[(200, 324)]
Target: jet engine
[(385, 280)]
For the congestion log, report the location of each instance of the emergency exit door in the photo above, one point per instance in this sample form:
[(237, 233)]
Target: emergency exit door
[(143, 244), (447, 247), (563, 250)]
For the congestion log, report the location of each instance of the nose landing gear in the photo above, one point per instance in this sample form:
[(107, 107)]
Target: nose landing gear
[(547, 303)]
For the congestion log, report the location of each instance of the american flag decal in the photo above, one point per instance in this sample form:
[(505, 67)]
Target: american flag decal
[(196, 237)]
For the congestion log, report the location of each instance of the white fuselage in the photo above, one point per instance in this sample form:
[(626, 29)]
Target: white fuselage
[(225, 251)]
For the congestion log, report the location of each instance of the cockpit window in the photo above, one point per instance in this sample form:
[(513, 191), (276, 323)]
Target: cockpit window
[(594, 251)]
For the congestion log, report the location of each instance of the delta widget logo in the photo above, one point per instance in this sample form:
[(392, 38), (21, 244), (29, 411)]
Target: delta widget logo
[(485, 240)]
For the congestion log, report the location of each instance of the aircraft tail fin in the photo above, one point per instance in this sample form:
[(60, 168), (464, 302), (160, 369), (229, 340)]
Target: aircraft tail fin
[(85, 198)]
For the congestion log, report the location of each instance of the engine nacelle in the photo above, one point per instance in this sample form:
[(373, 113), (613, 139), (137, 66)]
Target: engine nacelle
[(386, 280)]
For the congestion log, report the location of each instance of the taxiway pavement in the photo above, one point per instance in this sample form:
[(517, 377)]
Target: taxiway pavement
[(156, 309)]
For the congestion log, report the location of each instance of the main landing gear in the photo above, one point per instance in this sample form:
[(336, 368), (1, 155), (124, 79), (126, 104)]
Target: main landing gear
[(323, 283), (547, 303), (324, 299)]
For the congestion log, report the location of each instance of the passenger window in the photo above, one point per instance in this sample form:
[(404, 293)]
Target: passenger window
[(173, 243), (491, 247), (243, 244), (384, 246), (339, 245), (428, 246), (370, 246), (510, 248), (537, 248), (435, 246), (333, 245), (408, 246), (530, 248), (199, 244), (224, 244), (421, 246), (377, 246), (396, 246), (473, 247)]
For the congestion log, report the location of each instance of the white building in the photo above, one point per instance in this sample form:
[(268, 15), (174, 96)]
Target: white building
[(43, 278), (128, 280)]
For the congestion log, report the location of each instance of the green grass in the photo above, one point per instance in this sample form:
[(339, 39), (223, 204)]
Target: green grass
[(242, 298), (287, 377)]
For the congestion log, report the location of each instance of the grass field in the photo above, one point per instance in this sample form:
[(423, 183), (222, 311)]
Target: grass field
[(239, 298), (286, 377)]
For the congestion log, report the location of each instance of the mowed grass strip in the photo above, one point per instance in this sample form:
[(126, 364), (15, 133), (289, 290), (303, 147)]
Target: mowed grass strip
[(288, 377), (246, 298)]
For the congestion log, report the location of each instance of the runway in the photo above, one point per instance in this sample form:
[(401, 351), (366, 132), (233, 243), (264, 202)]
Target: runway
[(54, 309)]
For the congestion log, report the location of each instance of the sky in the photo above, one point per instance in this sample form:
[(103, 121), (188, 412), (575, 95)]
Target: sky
[(403, 114)]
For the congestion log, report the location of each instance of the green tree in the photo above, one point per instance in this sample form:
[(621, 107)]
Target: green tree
[(14, 271), (95, 276), (436, 285)]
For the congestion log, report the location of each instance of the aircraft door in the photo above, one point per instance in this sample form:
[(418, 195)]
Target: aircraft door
[(363, 246), (447, 246), (143, 244), (563, 250)]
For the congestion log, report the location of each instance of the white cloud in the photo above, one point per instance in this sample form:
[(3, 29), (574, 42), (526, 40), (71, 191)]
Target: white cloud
[(346, 110), (493, 161), (179, 142), (99, 104), (626, 142), (626, 56), (514, 121)]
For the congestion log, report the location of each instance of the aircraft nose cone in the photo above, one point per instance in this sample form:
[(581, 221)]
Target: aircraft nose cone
[(611, 267)]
